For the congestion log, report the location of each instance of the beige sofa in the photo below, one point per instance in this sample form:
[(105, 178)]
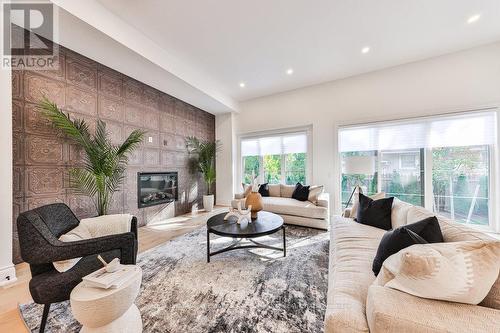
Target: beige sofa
[(313, 214), (354, 305)]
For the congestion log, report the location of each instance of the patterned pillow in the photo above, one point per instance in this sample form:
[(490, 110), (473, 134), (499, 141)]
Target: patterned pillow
[(461, 272)]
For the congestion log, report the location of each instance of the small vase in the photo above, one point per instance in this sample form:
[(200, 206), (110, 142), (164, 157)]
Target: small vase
[(254, 199), (208, 202)]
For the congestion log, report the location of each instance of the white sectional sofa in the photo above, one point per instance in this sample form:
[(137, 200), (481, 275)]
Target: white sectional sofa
[(313, 214), (355, 305)]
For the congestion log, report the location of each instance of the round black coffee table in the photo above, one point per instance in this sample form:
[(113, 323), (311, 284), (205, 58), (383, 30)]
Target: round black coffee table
[(265, 224)]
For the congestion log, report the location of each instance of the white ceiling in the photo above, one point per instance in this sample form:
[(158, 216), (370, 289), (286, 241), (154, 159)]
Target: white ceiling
[(235, 41)]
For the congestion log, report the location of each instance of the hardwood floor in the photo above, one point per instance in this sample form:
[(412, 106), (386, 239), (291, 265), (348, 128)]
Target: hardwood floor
[(150, 236)]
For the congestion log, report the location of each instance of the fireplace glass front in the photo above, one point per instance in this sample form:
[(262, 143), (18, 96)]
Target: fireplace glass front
[(154, 188)]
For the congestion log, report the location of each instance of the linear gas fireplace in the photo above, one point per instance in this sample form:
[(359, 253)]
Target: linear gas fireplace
[(154, 188)]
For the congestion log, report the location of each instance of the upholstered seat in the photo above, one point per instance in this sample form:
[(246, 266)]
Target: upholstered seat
[(355, 305), (53, 287), (294, 207), (352, 249)]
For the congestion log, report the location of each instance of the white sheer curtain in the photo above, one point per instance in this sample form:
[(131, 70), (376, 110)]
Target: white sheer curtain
[(468, 129), (274, 145)]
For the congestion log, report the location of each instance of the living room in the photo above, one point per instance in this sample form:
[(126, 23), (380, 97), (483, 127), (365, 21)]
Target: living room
[(282, 166)]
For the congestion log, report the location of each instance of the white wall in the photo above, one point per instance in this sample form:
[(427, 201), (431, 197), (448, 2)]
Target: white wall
[(224, 131), (456, 82), (7, 271)]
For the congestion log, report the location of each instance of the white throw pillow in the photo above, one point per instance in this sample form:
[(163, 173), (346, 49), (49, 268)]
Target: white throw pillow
[(79, 233), (399, 213), (314, 192), (107, 224), (355, 201), (92, 228), (461, 272)]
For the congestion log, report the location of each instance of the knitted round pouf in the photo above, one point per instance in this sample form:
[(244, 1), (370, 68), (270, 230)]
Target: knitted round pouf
[(108, 310)]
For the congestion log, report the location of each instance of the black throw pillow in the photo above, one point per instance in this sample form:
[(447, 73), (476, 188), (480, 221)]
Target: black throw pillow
[(264, 190), (301, 192), (393, 241), (376, 213)]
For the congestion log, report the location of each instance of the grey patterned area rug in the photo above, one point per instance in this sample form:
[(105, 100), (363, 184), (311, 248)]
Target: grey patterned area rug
[(239, 291)]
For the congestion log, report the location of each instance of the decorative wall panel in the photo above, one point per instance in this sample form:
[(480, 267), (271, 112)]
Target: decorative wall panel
[(88, 90)]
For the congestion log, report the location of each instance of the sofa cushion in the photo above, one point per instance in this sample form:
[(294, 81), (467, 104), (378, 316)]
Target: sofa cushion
[(416, 214), (289, 206), (461, 272), (314, 192), (301, 192), (422, 232), (376, 213), (352, 248), (355, 201), (389, 310), (264, 189), (399, 213), (287, 190), (456, 232), (274, 190)]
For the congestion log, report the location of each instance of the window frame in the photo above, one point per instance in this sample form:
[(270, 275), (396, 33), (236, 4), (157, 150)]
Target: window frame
[(280, 132), (494, 181)]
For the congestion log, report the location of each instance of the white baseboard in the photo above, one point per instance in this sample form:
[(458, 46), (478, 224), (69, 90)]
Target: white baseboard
[(7, 275), (223, 203)]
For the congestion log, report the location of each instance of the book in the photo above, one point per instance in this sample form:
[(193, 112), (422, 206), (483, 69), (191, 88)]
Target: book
[(106, 280)]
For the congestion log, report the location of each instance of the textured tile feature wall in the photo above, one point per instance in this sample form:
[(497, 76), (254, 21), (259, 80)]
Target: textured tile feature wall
[(89, 90)]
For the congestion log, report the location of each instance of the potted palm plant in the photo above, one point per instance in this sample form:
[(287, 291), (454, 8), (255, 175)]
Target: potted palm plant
[(203, 154), (104, 163)]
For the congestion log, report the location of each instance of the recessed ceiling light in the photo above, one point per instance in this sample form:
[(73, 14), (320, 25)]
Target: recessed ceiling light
[(242, 84), (289, 71), (473, 18), (365, 49)]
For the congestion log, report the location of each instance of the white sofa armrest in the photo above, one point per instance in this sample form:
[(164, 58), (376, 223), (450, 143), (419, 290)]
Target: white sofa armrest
[(323, 200)]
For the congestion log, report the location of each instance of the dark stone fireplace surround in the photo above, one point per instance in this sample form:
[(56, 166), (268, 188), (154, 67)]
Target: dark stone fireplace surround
[(91, 91)]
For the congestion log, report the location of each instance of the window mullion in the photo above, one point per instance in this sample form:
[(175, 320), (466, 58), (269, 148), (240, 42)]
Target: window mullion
[(261, 169), (428, 194), (378, 170)]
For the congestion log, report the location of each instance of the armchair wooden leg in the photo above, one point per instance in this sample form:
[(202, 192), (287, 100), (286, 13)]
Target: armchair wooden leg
[(46, 310)]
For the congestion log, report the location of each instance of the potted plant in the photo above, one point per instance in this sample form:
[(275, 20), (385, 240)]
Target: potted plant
[(104, 163), (203, 154)]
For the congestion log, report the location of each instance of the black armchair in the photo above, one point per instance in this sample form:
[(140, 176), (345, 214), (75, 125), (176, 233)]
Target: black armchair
[(39, 231)]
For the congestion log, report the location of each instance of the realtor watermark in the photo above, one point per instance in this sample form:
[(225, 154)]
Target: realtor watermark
[(29, 39)]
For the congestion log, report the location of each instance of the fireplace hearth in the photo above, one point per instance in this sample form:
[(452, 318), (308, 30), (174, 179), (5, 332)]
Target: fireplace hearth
[(154, 188)]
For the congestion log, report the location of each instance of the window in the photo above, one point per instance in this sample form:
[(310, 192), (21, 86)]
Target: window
[(460, 182), (251, 166), (275, 159), (402, 175), (441, 163)]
